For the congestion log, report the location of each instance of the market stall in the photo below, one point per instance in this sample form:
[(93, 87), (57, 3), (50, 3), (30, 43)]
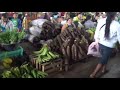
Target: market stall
[(54, 50)]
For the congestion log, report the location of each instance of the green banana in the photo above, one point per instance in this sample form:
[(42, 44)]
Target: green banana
[(42, 74), (57, 56), (45, 59), (52, 54), (27, 70), (17, 72), (33, 73), (38, 52), (6, 74), (45, 51), (28, 76), (48, 55)]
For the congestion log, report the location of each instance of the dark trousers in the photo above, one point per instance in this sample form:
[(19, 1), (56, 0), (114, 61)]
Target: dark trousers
[(106, 53)]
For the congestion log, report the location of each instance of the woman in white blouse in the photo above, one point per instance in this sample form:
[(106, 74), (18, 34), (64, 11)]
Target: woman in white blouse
[(106, 35)]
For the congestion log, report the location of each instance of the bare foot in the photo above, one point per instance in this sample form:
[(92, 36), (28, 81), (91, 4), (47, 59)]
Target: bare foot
[(92, 76)]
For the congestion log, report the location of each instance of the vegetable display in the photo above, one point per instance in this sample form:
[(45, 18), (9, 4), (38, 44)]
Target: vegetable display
[(7, 62), (24, 71), (71, 43), (91, 31), (11, 37), (45, 55), (49, 30)]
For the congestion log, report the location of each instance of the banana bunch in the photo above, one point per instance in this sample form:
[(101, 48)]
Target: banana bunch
[(24, 71), (7, 74), (93, 29), (44, 55), (7, 62), (91, 32)]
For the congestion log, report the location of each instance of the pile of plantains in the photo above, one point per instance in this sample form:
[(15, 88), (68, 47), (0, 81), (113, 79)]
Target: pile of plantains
[(49, 30), (72, 44)]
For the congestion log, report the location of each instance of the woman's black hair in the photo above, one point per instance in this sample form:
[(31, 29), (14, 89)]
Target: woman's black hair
[(110, 17), (97, 14), (87, 18), (78, 13), (68, 18)]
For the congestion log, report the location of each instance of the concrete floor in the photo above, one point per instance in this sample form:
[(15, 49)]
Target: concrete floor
[(83, 70)]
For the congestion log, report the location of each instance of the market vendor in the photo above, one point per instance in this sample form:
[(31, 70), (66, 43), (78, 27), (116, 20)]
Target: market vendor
[(78, 18), (89, 23), (16, 22), (69, 23), (5, 23)]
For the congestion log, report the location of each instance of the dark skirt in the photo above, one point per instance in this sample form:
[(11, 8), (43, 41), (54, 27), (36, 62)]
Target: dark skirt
[(106, 53)]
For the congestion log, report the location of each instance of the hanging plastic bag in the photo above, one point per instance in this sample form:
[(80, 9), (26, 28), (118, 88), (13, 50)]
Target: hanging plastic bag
[(94, 50)]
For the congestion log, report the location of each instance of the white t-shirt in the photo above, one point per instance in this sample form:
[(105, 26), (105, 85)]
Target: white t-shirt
[(114, 33)]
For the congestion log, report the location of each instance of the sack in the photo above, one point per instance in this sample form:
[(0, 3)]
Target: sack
[(94, 50), (34, 30), (38, 22)]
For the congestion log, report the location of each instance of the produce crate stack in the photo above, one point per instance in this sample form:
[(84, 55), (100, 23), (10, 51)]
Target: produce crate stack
[(46, 61)]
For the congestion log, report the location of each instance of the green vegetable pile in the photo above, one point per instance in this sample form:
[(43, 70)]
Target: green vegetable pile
[(11, 37), (91, 31), (24, 71), (45, 55)]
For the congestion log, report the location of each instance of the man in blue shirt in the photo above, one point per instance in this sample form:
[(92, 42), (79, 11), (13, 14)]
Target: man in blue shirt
[(16, 22)]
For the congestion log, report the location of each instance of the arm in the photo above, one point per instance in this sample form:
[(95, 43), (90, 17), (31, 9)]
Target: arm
[(118, 34), (11, 26), (64, 27), (96, 36), (19, 24)]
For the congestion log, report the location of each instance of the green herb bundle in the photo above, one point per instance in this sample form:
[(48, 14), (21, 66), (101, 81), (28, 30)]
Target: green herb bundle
[(11, 37)]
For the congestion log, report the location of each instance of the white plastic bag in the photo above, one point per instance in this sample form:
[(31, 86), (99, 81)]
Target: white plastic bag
[(34, 30), (38, 22), (94, 50)]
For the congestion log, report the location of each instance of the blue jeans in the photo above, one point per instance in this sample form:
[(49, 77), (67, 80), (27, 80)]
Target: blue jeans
[(106, 53)]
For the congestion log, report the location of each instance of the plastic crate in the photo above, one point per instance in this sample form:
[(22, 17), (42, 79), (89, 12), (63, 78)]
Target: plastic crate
[(10, 54)]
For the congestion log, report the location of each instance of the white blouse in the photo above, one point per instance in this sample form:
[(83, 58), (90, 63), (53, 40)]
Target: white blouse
[(114, 35)]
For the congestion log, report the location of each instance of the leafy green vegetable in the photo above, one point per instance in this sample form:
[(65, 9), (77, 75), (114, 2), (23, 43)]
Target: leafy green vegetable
[(11, 37), (24, 71)]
